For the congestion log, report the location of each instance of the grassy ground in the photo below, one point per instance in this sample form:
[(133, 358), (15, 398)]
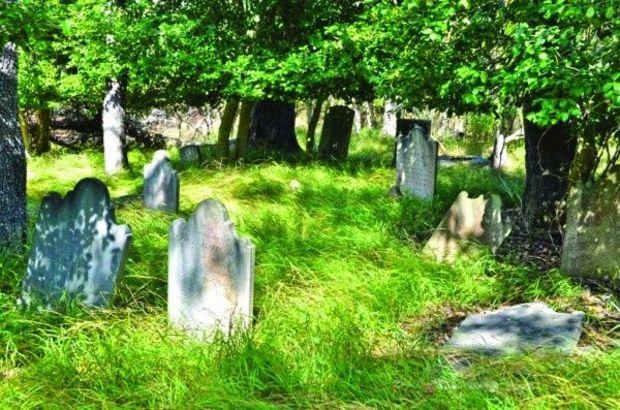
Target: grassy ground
[(347, 310)]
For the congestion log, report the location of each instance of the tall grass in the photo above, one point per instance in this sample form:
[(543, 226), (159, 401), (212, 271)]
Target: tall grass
[(347, 310)]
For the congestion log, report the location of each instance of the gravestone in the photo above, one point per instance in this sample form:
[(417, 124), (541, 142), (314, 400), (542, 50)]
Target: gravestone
[(336, 133), (592, 235), (210, 273), (190, 155), (416, 162), (518, 329), (468, 221), (161, 184), (78, 250)]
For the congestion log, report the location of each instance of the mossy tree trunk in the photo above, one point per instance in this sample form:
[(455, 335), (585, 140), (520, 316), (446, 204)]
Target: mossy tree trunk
[(313, 122), (12, 156), (243, 129), (228, 121), (36, 130)]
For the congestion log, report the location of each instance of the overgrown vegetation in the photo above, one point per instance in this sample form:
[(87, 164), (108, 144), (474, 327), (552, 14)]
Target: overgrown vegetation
[(347, 311)]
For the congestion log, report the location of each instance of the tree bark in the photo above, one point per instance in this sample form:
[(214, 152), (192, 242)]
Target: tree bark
[(243, 129), (12, 156), (113, 122), (36, 130), (313, 122), (226, 126), (549, 153), (273, 127)]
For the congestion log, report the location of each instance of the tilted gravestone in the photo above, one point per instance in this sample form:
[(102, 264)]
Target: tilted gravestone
[(190, 155), (592, 235), (79, 250), (518, 329), (161, 184), (416, 162), (468, 221), (336, 133), (210, 273)]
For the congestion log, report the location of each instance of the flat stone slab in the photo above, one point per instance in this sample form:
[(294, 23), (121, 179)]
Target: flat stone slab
[(518, 329), (78, 251)]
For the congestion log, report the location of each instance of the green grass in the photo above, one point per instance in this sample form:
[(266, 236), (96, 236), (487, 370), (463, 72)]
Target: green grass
[(347, 309)]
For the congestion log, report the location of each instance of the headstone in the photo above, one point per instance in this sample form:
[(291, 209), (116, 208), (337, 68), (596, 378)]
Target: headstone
[(468, 221), (390, 114), (416, 163), (336, 133), (210, 273), (161, 184), (592, 235), (518, 329), (78, 250), (190, 154)]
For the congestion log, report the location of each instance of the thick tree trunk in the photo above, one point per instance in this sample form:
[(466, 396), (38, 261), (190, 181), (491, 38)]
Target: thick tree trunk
[(12, 156), (313, 122), (113, 122), (336, 133), (226, 126), (36, 130), (548, 156), (273, 127), (243, 129)]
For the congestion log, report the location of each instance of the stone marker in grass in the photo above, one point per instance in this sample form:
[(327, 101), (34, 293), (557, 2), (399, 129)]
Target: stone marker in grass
[(336, 133), (79, 250), (210, 273), (416, 162), (190, 154), (518, 329), (161, 184), (467, 222)]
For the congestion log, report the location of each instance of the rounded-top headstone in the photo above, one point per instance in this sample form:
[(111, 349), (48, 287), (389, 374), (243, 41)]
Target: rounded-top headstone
[(161, 184)]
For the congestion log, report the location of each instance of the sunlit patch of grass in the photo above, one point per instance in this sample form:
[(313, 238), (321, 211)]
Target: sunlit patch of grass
[(339, 275)]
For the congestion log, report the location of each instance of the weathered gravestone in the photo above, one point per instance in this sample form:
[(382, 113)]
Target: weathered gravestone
[(79, 250), (161, 184), (210, 273), (468, 221), (518, 329), (416, 163), (336, 133), (592, 235), (190, 155)]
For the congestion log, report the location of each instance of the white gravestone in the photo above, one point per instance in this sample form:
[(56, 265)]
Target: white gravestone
[(416, 163), (161, 184)]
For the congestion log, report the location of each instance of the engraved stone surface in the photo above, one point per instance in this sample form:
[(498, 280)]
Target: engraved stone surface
[(161, 184), (190, 154), (518, 329), (210, 273), (416, 163), (468, 221), (78, 250)]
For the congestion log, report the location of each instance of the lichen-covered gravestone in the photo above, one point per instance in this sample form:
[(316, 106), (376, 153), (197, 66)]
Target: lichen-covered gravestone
[(416, 163), (468, 221), (210, 273), (161, 184), (592, 235), (190, 154), (518, 329), (336, 133), (79, 250)]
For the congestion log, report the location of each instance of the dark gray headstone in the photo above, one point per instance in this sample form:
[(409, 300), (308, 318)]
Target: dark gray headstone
[(190, 154), (161, 184), (210, 273), (416, 163), (78, 250), (336, 132), (520, 328)]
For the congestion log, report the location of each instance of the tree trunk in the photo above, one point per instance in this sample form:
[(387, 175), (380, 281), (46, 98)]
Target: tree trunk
[(243, 129), (389, 118), (226, 126), (336, 133), (313, 122), (273, 127), (548, 156), (357, 117), (36, 130), (113, 122), (12, 156), (371, 118)]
